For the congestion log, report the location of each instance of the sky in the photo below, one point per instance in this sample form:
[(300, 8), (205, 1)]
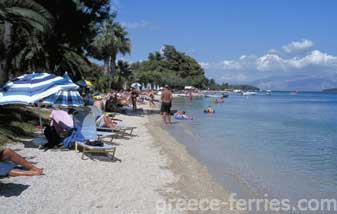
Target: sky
[(274, 44)]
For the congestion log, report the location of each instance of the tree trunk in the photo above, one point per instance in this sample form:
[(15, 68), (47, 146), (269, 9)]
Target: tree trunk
[(106, 66), (112, 68)]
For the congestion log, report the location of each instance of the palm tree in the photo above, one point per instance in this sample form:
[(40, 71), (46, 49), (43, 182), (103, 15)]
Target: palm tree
[(27, 17), (111, 41), (26, 13)]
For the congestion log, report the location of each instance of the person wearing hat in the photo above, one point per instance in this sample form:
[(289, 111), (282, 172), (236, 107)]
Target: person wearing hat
[(166, 103)]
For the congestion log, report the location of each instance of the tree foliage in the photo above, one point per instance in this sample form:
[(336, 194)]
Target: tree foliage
[(171, 67), (112, 39), (53, 35)]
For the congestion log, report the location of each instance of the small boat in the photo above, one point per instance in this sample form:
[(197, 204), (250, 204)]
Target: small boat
[(249, 93), (224, 95), (213, 95), (268, 92)]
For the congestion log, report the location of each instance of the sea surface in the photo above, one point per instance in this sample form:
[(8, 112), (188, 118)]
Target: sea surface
[(280, 146)]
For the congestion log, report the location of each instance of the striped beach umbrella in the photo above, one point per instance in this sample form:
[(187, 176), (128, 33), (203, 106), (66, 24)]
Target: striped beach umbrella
[(136, 85), (65, 99), (30, 88)]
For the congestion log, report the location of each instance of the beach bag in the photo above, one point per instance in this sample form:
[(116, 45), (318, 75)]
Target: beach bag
[(94, 143)]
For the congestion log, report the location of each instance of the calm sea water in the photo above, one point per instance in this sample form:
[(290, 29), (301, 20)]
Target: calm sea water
[(282, 145)]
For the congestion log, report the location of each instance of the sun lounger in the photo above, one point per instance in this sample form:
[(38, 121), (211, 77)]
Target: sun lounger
[(84, 122), (123, 130), (120, 129)]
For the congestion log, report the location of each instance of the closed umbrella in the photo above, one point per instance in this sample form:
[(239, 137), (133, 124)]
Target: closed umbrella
[(148, 86)]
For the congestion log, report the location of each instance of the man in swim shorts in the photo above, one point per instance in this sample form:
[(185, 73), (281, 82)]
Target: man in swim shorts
[(166, 103)]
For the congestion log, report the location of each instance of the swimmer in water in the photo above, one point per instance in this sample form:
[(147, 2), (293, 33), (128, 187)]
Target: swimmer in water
[(209, 110)]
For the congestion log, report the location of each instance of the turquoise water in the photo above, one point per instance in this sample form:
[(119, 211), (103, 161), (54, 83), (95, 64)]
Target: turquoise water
[(282, 145)]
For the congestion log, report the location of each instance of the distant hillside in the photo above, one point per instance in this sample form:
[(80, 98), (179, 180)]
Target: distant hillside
[(295, 83), (330, 90)]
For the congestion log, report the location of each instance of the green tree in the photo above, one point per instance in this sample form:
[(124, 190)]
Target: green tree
[(77, 23), (26, 20), (111, 41), (169, 67)]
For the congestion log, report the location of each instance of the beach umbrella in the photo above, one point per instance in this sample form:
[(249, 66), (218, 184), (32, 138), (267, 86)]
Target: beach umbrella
[(84, 83), (65, 99), (136, 85), (30, 88), (148, 86)]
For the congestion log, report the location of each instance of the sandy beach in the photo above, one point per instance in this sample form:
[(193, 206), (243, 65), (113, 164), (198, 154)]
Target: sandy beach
[(152, 168)]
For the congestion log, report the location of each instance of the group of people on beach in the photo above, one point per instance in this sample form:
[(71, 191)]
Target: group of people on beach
[(9, 159), (110, 102)]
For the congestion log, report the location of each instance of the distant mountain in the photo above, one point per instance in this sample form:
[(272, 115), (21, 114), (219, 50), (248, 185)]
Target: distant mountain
[(295, 83), (331, 90)]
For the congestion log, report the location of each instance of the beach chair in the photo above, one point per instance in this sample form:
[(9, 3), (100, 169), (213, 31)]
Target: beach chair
[(84, 123), (120, 129)]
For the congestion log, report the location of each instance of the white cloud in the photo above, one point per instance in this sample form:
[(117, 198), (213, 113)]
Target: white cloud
[(275, 68), (274, 62), (315, 58), (297, 46), (204, 65), (232, 65), (136, 24), (270, 62)]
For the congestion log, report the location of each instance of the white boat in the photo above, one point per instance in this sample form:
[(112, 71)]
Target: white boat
[(249, 93), (213, 95), (268, 92)]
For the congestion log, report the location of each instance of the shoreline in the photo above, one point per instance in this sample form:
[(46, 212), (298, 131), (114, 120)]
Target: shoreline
[(194, 181)]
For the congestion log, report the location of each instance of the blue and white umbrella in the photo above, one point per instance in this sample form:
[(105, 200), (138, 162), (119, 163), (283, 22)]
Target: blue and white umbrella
[(65, 99), (30, 88), (136, 85)]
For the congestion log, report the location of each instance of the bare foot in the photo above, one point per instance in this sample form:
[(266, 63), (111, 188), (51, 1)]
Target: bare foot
[(38, 170), (35, 173)]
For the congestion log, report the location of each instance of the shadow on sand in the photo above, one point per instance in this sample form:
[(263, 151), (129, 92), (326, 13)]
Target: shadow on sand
[(12, 189)]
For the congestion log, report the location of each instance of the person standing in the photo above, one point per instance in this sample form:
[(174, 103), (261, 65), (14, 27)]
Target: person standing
[(166, 103), (190, 95), (151, 103), (134, 95)]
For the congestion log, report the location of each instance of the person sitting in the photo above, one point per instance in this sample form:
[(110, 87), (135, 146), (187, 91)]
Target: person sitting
[(108, 122), (61, 126), (9, 160)]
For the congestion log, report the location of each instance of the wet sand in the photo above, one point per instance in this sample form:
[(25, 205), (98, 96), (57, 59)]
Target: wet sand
[(193, 180)]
